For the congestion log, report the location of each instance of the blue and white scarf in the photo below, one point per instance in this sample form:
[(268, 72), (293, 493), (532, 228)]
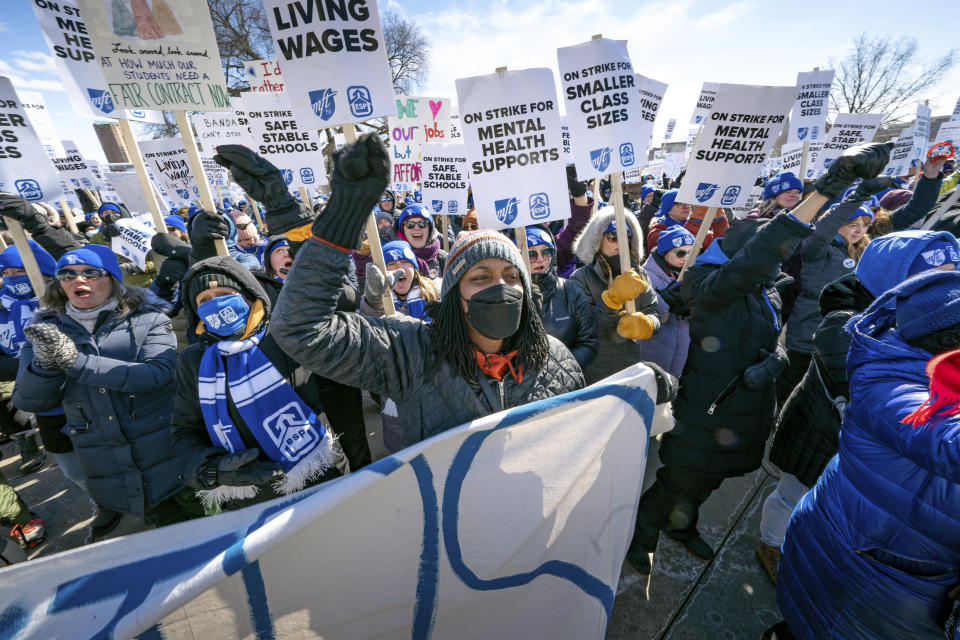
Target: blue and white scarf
[(286, 429), (412, 305), (14, 316)]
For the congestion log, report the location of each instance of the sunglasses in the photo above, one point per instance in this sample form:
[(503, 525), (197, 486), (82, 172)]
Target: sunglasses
[(681, 253), (470, 227), (416, 224), (386, 199), (611, 236), (536, 256), (90, 275)]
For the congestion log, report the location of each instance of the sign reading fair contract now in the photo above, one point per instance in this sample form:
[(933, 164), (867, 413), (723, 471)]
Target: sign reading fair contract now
[(737, 137), (511, 127)]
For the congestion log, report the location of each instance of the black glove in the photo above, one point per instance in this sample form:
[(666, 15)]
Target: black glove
[(238, 470), (52, 348), (32, 217), (171, 273), (576, 187), (869, 188), (672, 294), (361, 172), (111, 231), (676, 183), (204, 229), (170, 246), (757, 376), (862, 161), (667, 385)]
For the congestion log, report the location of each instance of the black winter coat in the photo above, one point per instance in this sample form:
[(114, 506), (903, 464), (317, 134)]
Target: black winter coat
[(808, 426), (568, 315), (722, 426)]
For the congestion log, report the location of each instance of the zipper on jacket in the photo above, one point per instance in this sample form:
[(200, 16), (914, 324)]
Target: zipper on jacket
[(83, 414), (132, 413), (725, 393), (503, 402)]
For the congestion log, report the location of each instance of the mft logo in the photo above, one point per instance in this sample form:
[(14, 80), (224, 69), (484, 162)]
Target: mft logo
[(100, 98), (506, 210), (287, 176), (802, 133), (539, 206), (322, 103), (437, 205), (705, 191), (29, 189), (600, 158), (291, 432)]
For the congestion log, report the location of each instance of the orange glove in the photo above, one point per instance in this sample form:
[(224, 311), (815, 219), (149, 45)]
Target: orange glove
[(635, 326), (626, 286)]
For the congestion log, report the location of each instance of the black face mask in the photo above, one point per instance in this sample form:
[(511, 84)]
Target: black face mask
[(495, 311)]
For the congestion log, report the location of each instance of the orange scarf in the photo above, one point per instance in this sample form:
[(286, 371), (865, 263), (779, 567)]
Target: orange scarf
[(496, 365)]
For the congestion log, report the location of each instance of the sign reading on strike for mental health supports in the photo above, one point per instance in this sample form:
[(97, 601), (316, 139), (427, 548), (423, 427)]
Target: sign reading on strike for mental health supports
[(949, 132), (157, 54), (848, 130), (808, 118), (279, 137), (736, 140), (511, 126), (444, 178), (264, 75), (333, 59), (603, 108), (167, 160), (417, 120), (900, 157), (708, 94), (25, 169)]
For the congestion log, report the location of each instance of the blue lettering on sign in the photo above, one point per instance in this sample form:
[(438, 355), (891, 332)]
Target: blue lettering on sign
[(600, 158), (437, 205), (322, 103), (506, 210), (453, 206), (539, 206), (802, 132), (306, 175), (730, 195), (287, 176), (361, 104), (705, 191), (100, 98), (815, 133), (626, 154)]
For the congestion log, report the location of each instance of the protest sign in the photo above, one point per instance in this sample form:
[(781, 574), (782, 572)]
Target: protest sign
[(157, 56), (632, 175), (221, 127), (956, 112), (671, 125), (416, 121), (455, 135), (444, 180), (284, 140), (216, 175), (809, 115), (736, 140), (567, 149), (167, 160), (753, 200), (673, 164), (921, 132), (36, 109), (73, 169), (708, 94), (511, 126), (333, 59), (949, 132), (655, 167), (133, 242), (791, 158), (264, 75), (25, 168), (848, 130), (691, 139), (901, 156), (603, 109)]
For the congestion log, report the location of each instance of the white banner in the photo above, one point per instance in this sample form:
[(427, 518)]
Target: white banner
[(416, 121), (901, 156), (25, 168), (283, 139), (511, 126), (74, 169), (921, 132), (504, 527), (791, 158), (671, 125), (848, 130), (166, 158), (444, 178), (36, 108), (736, 140), (455, 134), (334, 59), (809, 115), (133, 242), (264, 75), (221, 127), (158, 56), (708, 94)]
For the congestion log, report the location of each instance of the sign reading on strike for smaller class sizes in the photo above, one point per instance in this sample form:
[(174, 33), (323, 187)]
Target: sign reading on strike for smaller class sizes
[(444, 178), (735, 142), (511, 127), (25, 169), (809, 115)]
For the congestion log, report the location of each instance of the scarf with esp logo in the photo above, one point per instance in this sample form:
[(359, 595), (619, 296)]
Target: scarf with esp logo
[(412, 305), (15, 315), (285, 428)]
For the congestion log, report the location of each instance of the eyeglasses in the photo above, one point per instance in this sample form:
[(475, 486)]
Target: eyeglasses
[(416, 224), (90, 275), (536, 256)]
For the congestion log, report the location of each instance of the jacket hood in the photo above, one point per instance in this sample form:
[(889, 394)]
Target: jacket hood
[(714, 254), (226, 265), (886, 261), (876, 347), (846, 293), (587, 244)]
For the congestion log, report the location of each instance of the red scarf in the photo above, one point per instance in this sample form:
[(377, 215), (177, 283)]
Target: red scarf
[(944, 374), (496, 365)]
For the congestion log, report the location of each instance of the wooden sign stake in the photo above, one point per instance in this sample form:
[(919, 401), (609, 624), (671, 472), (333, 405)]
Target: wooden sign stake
[(698, 242), (146, 186), (26, 256), (196, 167)]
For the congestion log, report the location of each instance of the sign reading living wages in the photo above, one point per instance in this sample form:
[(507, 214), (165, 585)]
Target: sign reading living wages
[(25, 169), (444, 178), (736, 140), (511, 127), (333, 59), (157, 54), (167, 160)]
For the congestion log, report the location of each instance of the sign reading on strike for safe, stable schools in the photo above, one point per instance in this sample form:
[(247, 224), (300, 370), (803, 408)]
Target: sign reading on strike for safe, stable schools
[(848, 130), (511, 127), (333, 59), (264, 75), (160, 54), (444, 178), (603, 108), (167, 160), (25, 169), (279, 137), (416, 121), (808, 118), (708, 94), (736, 140), (133, 242)]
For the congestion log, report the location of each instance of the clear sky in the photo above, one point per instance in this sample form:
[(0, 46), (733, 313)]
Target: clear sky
[(680, 42)]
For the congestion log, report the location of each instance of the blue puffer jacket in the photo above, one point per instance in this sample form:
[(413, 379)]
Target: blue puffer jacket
[(874, 548)]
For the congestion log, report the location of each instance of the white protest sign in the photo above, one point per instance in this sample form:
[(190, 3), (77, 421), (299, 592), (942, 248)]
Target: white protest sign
[(736, 140), (264, 75), (216, 175), (848, 130), (809, 115), (949, 132), (603, 109), (221, 127), (333, 59), (671, 125), (455, 135), (752, 201), (691, 139), (133, 242), (416, 121), (25, 168), (921, 131), (74, 169), (791, 157), (651, 97), (673, 164), (708, 94), (444, 178), (163, 56), (632, 175), (956, 111), (36, 108), (901, 157), (279, 137), (127, 186), (567, 150), (167, 160), (511, 126)]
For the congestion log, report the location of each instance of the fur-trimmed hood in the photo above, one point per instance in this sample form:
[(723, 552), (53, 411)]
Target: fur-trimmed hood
[(587, 243)]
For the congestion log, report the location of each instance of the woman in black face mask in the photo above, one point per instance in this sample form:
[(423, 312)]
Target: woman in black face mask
[(485, 350)]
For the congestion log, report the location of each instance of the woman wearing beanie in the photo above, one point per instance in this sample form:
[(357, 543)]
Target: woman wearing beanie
[(248, 240), (234, 386), (177, 228), (106, 354), (484, 351), (619, 335), (780, 193), (809, 424), (673, 213), (873, 550), (415, 226)]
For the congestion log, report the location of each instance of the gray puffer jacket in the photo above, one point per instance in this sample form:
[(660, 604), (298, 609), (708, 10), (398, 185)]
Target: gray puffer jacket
[(118, 398), (394, 355)]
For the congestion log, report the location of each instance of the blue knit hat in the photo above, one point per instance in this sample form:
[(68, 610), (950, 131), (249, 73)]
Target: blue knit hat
[(399, 250), (927, 303), (95, 255), (667, 200), (10, 259), (412, 210), (891, 259), (175, 221), (612, 227), (871, 202), (645, 191), (937, 253), (537, 236), (418, 195), (672, 238), (862, 210), (780, 183), (473, 246)]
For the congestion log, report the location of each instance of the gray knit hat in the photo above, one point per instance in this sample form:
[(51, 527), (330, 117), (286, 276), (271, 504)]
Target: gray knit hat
[(473, 246)]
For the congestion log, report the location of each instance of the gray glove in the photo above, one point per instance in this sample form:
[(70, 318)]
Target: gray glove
[(862, 161), (376, 285), (238, 470), (757, 376), (52, 348)]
